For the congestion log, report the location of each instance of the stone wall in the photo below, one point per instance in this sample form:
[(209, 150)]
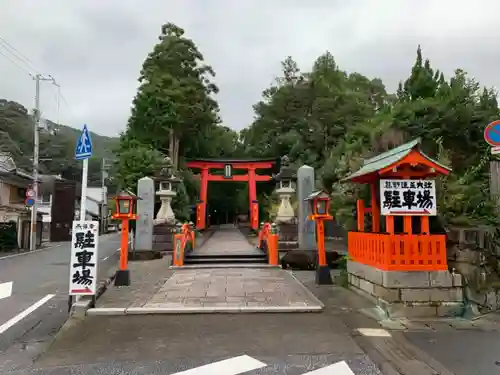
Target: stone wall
[(288, 236), (473, 254), (409, 294), (163, 236)]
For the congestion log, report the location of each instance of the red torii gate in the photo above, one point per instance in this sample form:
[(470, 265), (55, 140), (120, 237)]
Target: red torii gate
[(250, 165)]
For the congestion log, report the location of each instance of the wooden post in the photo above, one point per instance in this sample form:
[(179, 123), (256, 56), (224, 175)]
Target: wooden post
[(424, 225), (360, 208), (252, 197), (122, 277), (375, 209), (323, 276), (201, 210), (272, 246), (320, 227)]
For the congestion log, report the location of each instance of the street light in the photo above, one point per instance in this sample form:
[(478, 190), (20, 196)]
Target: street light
[(319, 202), (124, 211)]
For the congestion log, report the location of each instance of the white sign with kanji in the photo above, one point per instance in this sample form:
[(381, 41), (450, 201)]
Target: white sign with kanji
[(408, 197), (84, 258)]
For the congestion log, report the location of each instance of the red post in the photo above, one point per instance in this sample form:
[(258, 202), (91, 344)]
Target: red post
[(124, 246), (375, 209), (320, 227), (360, 207), (201, 209), (323, 276), (252, 196)]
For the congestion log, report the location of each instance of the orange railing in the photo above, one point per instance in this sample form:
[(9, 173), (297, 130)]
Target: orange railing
[(268, 242), (184, 240), (399, 252)]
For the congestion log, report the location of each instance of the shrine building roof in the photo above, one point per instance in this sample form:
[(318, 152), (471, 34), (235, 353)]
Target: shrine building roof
[(373, 167)]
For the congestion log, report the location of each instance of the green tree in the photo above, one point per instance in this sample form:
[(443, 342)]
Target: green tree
[(174, 108), (134, 162)]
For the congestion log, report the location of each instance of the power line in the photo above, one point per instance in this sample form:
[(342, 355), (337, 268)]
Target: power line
[(19, 55), (16, 64)]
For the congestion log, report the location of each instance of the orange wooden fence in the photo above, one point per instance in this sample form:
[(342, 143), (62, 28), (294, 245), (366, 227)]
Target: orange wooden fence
[(268, 240), (184, 237), (399, 252)]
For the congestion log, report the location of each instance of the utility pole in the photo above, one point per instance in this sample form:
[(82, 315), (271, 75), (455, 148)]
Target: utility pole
[(38, 78)]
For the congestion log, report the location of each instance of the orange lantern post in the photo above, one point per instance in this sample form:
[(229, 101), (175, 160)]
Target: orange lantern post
[(125, 202), (320, 202)]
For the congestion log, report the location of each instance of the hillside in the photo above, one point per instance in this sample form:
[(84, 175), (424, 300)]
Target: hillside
[(57, 144)]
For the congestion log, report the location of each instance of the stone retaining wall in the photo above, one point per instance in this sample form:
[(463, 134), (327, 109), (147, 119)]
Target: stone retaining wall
[(163, 236), (409, 294)]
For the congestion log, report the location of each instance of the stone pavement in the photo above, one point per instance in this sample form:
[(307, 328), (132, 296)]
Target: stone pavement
[(227, 240), (206, 290)]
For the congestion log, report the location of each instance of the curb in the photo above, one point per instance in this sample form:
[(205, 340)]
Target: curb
[(203, 310), (226, 265), (306, 290), (79, 308)]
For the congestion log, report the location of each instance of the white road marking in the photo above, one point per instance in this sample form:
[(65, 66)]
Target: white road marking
[(339, 368), (231, 366), (373, 332), (5, 290), (30, 252), (23, 314)]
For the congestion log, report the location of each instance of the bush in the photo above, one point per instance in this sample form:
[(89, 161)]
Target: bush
[(8, 236)]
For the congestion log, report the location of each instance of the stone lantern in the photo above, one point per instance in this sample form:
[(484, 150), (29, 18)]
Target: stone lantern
[(285, 190), (166, 192)]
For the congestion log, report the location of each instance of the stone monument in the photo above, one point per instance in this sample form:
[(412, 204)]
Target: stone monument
[(166, 193), (307, 228), (285, 191), (145, 213), (164, 223)]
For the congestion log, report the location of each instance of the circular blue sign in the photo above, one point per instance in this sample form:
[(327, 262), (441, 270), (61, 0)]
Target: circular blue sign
[(492, 133), (30, 202)]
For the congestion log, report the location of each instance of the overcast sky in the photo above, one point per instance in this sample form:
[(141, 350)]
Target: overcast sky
[(95, 48)]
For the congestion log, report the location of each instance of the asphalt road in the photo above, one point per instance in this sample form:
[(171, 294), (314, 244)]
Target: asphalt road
[(38, 305), (255, 344), (466, 352)]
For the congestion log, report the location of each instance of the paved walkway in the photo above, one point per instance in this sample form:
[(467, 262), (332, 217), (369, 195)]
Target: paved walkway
[(156, 289), (227, 240)]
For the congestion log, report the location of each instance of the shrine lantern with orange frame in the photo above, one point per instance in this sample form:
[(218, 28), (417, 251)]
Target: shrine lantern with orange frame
[(125, 203), (319, 203)]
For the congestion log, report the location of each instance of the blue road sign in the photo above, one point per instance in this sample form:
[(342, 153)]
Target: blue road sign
[(29, 202), (492, 133), (83, 148)]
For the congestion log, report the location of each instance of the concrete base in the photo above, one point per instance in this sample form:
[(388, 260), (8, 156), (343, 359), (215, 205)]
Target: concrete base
[(323, 275), (145, 255), (409, 294), (203, 310), (122, 278)]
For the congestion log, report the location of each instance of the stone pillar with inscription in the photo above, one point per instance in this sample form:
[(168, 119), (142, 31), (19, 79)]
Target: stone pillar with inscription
[(145, 213), (306, 229)]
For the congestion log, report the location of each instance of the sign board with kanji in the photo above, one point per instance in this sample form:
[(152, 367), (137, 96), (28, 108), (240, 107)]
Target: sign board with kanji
[(84, 258), (408, 197)]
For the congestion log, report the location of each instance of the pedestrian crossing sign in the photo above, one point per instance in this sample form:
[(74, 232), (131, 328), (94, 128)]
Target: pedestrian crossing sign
[(83, 148)]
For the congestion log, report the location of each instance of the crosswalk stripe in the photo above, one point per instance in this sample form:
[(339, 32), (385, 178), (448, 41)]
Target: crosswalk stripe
[(231, 366), (339, 368), (5, 290)]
